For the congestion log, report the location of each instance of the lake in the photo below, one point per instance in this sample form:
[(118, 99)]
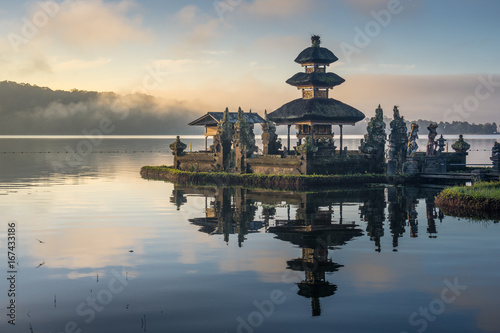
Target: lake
[(96, 248)]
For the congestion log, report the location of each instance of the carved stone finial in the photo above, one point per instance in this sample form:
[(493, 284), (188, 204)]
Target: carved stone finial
[(316, 40), (461, 147), (178, 147)]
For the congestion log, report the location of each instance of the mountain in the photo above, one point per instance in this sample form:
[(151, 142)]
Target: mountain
[(31, 110)]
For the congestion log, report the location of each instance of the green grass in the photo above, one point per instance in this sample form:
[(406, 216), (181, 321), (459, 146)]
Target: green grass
[(481, 200), (277, 182)]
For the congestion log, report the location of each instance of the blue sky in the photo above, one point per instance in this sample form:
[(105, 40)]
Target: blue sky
[(428, 58)]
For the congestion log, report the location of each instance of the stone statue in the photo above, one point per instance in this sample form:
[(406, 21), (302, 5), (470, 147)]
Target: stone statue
[(412, 140), (270, 140), (496, 150), (398, 139), (495, 158), (431, 143), (223, 142), (374, 142), (224, 135), (243, 137), (375, 138)]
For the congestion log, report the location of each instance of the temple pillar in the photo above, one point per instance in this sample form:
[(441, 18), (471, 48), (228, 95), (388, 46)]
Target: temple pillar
[(341, 139), (289, 127)]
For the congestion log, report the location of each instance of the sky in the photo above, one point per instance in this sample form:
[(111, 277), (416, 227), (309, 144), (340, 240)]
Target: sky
[(434, 59)]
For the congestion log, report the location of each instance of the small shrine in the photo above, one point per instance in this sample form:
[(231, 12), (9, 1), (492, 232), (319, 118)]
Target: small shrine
[(315, 113), (212, 119)]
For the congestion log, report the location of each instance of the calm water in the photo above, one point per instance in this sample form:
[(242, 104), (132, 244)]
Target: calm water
[(99, 249)]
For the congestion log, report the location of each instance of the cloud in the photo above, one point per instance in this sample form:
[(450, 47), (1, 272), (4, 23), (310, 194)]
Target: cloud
[(422, 96), (36, 64), (188, 15), (94, 23), (78, 64), (200, 29), (398, 67), (364, 6), (279, 8)]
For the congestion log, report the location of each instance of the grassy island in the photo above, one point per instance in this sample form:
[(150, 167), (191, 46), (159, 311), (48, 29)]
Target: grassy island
[(277, 182), (481, 200)]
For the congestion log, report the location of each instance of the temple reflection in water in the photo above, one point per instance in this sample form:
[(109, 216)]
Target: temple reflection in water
[(314, 222)]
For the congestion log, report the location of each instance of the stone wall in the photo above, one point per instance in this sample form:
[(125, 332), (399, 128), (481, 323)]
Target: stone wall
[(202, 162), (341, 165), (274, 164)]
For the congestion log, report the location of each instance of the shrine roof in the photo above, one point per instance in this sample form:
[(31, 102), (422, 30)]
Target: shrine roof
[(316, 109), (214, 118)]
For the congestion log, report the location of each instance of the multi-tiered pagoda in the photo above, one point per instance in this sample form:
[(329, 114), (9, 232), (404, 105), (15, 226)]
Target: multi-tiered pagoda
[(315, 113)]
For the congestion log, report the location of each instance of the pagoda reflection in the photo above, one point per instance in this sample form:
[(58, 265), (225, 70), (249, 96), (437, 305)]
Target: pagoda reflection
[(314, 222), (228, 211), (316, 230)]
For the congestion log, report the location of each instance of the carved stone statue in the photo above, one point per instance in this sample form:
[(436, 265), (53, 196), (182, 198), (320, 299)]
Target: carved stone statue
[(398, 139), (224, 134), (223, 142), (431, 143), (412, 139), (243, 137), (270, 140), (374, 142), (496, 150), (495, 157)]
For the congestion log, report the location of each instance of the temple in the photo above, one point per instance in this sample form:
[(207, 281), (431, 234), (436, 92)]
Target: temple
[(313, 117)]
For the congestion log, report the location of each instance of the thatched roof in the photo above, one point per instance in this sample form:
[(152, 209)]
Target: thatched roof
[(214, 118), (316, 109), (316, 54), (326, 80)]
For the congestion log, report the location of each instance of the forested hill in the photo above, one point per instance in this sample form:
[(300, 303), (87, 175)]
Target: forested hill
[(456, 127), (31, 110), (459, 127)]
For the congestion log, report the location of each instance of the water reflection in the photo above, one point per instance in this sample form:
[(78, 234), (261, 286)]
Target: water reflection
[(313, 222)]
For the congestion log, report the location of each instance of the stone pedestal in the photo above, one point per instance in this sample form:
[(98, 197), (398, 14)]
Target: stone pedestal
[(434, 165), (496, 165), (391, 167), (411, 166)]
